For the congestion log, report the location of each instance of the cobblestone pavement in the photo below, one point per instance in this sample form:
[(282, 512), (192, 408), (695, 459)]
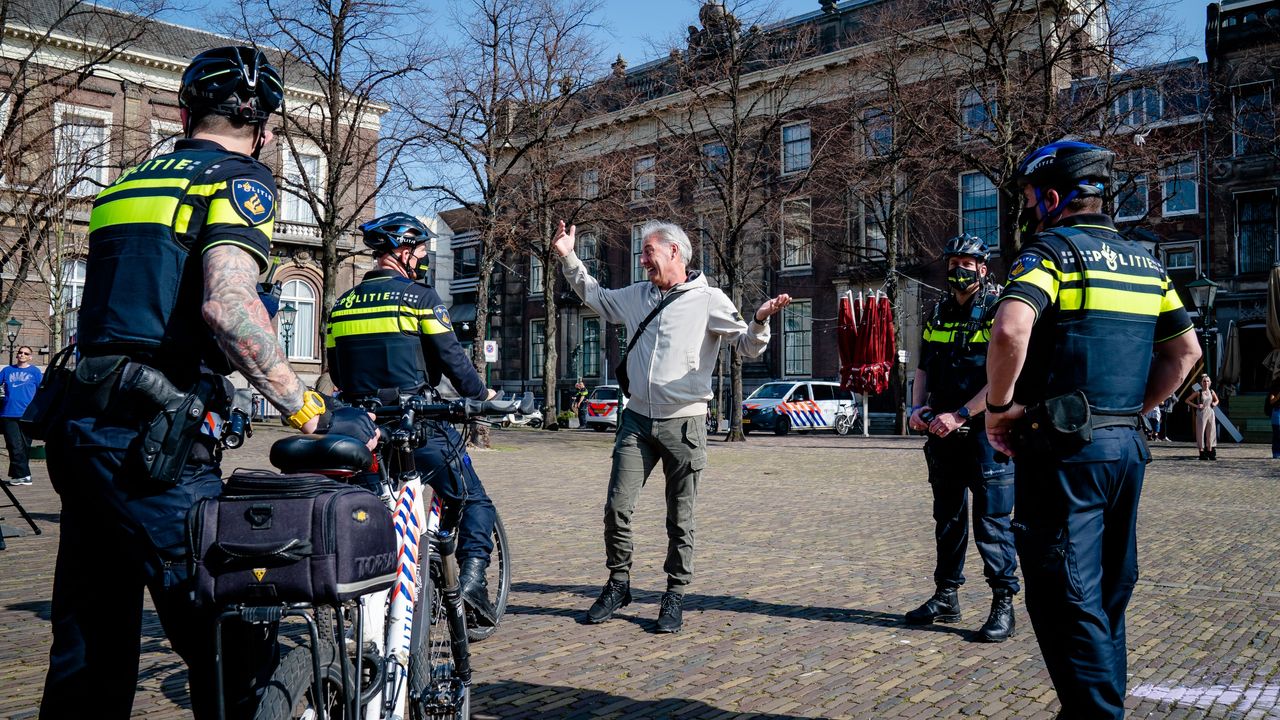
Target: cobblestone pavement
[(809, 549)]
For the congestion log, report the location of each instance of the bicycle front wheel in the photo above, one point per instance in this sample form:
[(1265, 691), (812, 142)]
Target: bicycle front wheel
[(500, 572), (435, 693)]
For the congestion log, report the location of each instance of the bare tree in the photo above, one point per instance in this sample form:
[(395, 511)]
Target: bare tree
[(52, 159), (737, 91), (346, 66), (515, 74)]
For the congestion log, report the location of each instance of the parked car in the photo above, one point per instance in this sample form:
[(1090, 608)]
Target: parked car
[(799, 405), (604, 407)]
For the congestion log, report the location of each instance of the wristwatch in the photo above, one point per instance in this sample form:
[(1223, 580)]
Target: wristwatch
[(963, 412), (312, 405)]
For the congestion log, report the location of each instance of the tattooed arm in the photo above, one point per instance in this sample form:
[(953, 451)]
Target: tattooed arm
[(240, 323)]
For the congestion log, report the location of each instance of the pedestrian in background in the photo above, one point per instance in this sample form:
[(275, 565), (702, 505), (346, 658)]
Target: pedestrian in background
[(1273, 409), (580, 403), (1206, 420), (949, 391), (20, 382), (1088, 335), (675, 321)]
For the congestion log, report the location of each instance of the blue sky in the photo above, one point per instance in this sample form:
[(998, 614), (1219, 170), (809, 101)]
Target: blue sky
[(634, 24)]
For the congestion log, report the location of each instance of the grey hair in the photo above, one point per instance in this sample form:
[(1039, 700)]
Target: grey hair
[(671, 234)]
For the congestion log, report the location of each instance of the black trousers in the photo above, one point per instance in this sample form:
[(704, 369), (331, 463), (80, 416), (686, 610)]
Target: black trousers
[(19, 446), (121, 534), (1077, 538), (960, 466)]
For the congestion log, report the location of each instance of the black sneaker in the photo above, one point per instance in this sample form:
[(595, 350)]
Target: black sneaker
[(670, 613), (615, 595)]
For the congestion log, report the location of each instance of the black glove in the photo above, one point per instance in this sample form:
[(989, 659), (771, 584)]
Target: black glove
[(350, 421)]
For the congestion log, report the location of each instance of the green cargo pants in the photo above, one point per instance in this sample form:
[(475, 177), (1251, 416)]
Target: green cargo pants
[(681, 445)]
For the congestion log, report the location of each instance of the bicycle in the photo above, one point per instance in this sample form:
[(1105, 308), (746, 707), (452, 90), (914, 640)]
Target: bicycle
[(409, 655)]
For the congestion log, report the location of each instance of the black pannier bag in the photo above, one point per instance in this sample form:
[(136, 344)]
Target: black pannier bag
[(274, 538)]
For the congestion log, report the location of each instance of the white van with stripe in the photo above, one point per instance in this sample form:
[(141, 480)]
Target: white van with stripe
[(789, 405)]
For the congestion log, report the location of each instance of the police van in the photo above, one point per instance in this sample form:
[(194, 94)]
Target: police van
[(800, 405)]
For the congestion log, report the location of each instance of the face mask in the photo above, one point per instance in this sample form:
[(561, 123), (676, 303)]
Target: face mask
[(1028, 220), (422, 268), (961, 279)]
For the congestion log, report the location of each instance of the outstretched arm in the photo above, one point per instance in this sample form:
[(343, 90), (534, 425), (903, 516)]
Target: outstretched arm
[(608, 303), (244, 332)]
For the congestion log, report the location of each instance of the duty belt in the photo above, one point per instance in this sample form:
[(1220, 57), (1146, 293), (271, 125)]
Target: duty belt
[(1099, 421)]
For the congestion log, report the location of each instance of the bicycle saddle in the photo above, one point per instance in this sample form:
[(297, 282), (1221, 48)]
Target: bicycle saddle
[(321, 454)]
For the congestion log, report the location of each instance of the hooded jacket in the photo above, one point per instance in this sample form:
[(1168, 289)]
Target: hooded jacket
[(671, 364)]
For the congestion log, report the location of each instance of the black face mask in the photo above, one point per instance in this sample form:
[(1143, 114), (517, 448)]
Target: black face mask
[(1028, 220), (961, 278), (422, 269)]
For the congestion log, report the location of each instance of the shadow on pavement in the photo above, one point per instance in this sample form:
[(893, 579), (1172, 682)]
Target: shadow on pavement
[(696, 601), (569, 703)]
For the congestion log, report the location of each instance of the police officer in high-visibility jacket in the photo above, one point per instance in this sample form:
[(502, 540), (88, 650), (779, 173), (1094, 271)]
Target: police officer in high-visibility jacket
[(392, 331), (176, 245), (1088, 335), (949, 390)]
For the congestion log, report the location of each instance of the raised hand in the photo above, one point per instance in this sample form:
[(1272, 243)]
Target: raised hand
[(563, 242), (772, 306)]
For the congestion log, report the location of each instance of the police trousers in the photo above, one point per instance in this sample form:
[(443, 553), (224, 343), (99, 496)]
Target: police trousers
[(958, 466), (1076, 531), (121, 533), (680, 444), (447, 466)]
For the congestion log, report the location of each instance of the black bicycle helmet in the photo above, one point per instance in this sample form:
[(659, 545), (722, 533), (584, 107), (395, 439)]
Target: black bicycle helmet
[(969, 245), (236, 82), (389, 232), (1069, 167)]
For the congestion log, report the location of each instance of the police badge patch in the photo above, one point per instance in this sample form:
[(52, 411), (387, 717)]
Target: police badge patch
[(252, 200), (442, 316), (1023, 265)]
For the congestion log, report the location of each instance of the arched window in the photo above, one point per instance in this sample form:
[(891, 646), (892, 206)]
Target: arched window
[(68, 302), (300, 341)]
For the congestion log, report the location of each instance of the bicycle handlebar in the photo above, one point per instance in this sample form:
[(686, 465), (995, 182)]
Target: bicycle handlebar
[(416, 407)]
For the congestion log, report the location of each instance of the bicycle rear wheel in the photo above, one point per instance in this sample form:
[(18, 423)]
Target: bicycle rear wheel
[(290, 693), (500, 572)]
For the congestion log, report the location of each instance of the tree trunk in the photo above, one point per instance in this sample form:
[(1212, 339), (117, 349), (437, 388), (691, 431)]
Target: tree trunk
[(329, 286), (735, 373), (480, 431), (550, 352)]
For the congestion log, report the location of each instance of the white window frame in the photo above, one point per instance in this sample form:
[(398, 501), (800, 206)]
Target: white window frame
[(644, 178), (867, 218), (968, 131), (789, 313), (1131, 116), (1167, 177), (99, 173), (808, 148), (4, 122), (72, 279), (536, 351), (637, 251), (960, 214), (1141, 184), (164, 135), (713, 163), (537, 278), (1167, 249), (590, 183), (294, 207), (304, 320), (803, 253)]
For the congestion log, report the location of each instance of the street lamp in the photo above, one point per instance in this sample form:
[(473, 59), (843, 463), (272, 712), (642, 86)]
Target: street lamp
[(287, 313), (11, 331), (1203, 292)]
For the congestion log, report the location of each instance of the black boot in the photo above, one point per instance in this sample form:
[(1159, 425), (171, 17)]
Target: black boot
[(670, 612), (1213, 454), (944, 606), (1001, 621), (615, 595), (475, 590), (1204, 455)]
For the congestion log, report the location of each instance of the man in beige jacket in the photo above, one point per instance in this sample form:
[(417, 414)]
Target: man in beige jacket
[(669, 368)]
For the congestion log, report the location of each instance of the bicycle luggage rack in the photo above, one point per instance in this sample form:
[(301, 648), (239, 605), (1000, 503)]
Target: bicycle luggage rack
[(262, 614)]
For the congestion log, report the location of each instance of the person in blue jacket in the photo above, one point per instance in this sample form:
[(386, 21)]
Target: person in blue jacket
[(20, 381)]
